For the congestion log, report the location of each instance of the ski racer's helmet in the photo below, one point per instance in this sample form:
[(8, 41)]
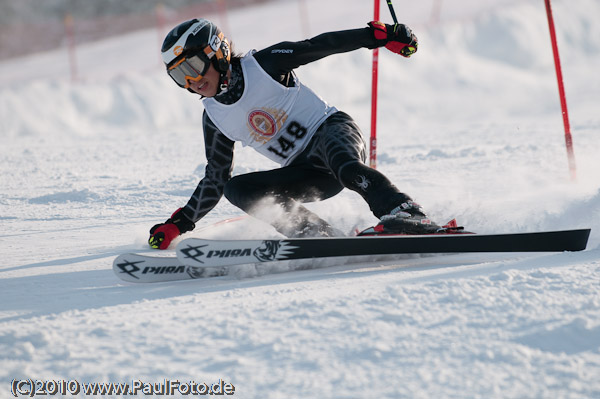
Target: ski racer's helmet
[(189, 49)]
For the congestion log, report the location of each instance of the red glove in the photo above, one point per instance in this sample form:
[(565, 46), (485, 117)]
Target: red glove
[(397, 38), (162, 234)]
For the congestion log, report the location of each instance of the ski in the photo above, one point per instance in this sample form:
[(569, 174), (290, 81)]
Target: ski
[(136, 268), (200, 258), (214, 253)]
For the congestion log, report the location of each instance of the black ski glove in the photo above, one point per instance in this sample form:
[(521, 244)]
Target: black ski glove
[(162, 234)]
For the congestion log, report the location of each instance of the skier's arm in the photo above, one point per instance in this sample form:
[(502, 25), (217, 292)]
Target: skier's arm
[(283, 57), (219, 155), (280, 59)]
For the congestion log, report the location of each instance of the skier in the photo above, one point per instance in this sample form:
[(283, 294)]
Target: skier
[(258, 100)]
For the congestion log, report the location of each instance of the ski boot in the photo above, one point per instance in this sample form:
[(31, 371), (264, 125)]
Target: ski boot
[(406, 219)]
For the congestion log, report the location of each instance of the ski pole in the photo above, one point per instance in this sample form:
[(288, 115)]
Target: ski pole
[(391, 7)]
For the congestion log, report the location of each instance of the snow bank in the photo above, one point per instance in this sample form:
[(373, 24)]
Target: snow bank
[(501, 57)]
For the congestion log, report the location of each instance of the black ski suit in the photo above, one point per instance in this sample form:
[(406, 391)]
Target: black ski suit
[(334, 158)]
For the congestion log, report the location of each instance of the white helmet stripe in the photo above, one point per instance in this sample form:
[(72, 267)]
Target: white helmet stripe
[(175, 50)]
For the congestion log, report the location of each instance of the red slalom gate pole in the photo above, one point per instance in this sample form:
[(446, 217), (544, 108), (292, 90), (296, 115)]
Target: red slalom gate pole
[(436, 8), (303, 8), (375, 68), (561, 92), (159, 12), (70, 31), (224, 19)]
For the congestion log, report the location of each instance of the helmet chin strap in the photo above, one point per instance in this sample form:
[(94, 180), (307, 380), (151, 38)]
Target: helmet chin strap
[(224, 82)]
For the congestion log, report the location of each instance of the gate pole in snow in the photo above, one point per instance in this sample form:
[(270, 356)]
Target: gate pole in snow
[(373, 139), (303, 8), (223, 17), (70, 32), (159, 12), (561, 92)]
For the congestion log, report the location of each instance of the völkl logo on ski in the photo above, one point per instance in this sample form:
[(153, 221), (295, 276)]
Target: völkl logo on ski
[(193, 252), (129, 267), (216, 253), (134, 271), (141, 268)]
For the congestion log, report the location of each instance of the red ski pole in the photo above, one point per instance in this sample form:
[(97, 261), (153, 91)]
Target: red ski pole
[(374, 73), (561, 92)]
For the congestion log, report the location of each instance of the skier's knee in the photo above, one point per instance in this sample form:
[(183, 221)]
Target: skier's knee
[(243, 192), (358, 176), (234, 191)]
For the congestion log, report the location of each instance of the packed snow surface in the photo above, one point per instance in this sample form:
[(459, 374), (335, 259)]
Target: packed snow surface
[(471, 127)]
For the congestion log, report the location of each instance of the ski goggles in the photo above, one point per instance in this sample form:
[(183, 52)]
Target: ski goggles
[(192, 68)]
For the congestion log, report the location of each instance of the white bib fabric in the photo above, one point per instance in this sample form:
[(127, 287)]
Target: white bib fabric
[(275, 120)]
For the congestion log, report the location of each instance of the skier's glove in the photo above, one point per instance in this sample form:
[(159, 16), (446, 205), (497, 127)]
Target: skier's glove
[(162, 234), (397, 38)]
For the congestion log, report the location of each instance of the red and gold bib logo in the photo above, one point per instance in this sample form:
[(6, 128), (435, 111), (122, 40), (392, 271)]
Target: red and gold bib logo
[(264, 123)]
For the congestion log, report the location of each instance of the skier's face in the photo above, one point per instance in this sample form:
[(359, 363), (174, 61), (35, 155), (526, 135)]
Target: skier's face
[(208, 85)]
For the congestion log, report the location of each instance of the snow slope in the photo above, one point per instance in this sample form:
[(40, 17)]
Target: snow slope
[(470, 127)]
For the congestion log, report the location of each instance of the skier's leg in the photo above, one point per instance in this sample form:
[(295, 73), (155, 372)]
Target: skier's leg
[(381, 195), (340, 147), (275, 197)]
